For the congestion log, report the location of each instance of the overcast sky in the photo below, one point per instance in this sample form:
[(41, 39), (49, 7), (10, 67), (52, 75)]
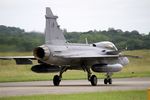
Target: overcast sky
[(78, 15)]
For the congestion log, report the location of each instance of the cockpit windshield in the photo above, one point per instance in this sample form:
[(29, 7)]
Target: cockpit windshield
[(106, 44)]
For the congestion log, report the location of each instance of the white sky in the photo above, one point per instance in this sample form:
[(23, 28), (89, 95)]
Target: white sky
[(78, 15)]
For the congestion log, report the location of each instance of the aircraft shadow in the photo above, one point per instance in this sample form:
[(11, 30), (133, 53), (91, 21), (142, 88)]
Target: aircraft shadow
[(74, 85)]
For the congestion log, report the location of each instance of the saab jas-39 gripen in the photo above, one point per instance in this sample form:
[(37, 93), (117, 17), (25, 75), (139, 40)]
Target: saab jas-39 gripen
[(57, 55)]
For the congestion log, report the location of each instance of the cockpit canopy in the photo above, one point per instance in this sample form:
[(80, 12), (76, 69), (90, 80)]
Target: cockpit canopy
[(105, 44)]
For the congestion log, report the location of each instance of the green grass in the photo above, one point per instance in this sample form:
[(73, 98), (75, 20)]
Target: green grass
[(9, 71), (117, 95)]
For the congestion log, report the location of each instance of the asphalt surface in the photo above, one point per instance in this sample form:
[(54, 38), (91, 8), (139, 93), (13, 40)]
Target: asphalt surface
[(71, 86)]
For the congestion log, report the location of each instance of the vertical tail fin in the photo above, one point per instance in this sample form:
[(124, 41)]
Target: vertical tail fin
[(53, 34)]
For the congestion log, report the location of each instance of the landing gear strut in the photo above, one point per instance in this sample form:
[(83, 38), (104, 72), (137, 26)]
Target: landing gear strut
[(91, 78), (108, 80), (57, 78)]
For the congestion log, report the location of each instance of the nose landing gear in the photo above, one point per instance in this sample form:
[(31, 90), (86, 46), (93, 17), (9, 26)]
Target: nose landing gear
[(108, 80)]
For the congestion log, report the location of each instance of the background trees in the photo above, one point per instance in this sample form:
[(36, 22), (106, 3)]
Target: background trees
[(16, 39)]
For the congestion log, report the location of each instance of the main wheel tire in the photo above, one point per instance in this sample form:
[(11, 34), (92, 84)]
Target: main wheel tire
[(56, 80), (110, 81), (93, 80), (105, 81)]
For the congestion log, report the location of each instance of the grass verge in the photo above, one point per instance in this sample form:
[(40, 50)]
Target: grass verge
[(115, 95), (9, 71)]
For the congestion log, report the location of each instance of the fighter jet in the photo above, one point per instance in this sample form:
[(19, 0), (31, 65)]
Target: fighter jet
[(57, 55)]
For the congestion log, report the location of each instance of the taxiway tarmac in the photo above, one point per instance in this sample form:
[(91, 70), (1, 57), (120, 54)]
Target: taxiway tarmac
[(71, 86)]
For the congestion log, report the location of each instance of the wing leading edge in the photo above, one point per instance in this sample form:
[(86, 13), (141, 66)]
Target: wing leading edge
[(20, 60)]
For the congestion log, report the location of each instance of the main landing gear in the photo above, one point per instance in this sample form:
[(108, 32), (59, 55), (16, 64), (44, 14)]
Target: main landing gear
[(91, 78), (57, 78)]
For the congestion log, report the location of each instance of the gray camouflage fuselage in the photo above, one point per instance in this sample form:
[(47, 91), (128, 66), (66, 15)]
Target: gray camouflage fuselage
[(56, 51)]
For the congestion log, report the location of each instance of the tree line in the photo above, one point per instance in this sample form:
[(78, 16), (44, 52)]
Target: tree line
[(16, 39), (131, 40)]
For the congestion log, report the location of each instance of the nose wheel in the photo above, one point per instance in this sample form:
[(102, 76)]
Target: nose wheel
[(107, 81)]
